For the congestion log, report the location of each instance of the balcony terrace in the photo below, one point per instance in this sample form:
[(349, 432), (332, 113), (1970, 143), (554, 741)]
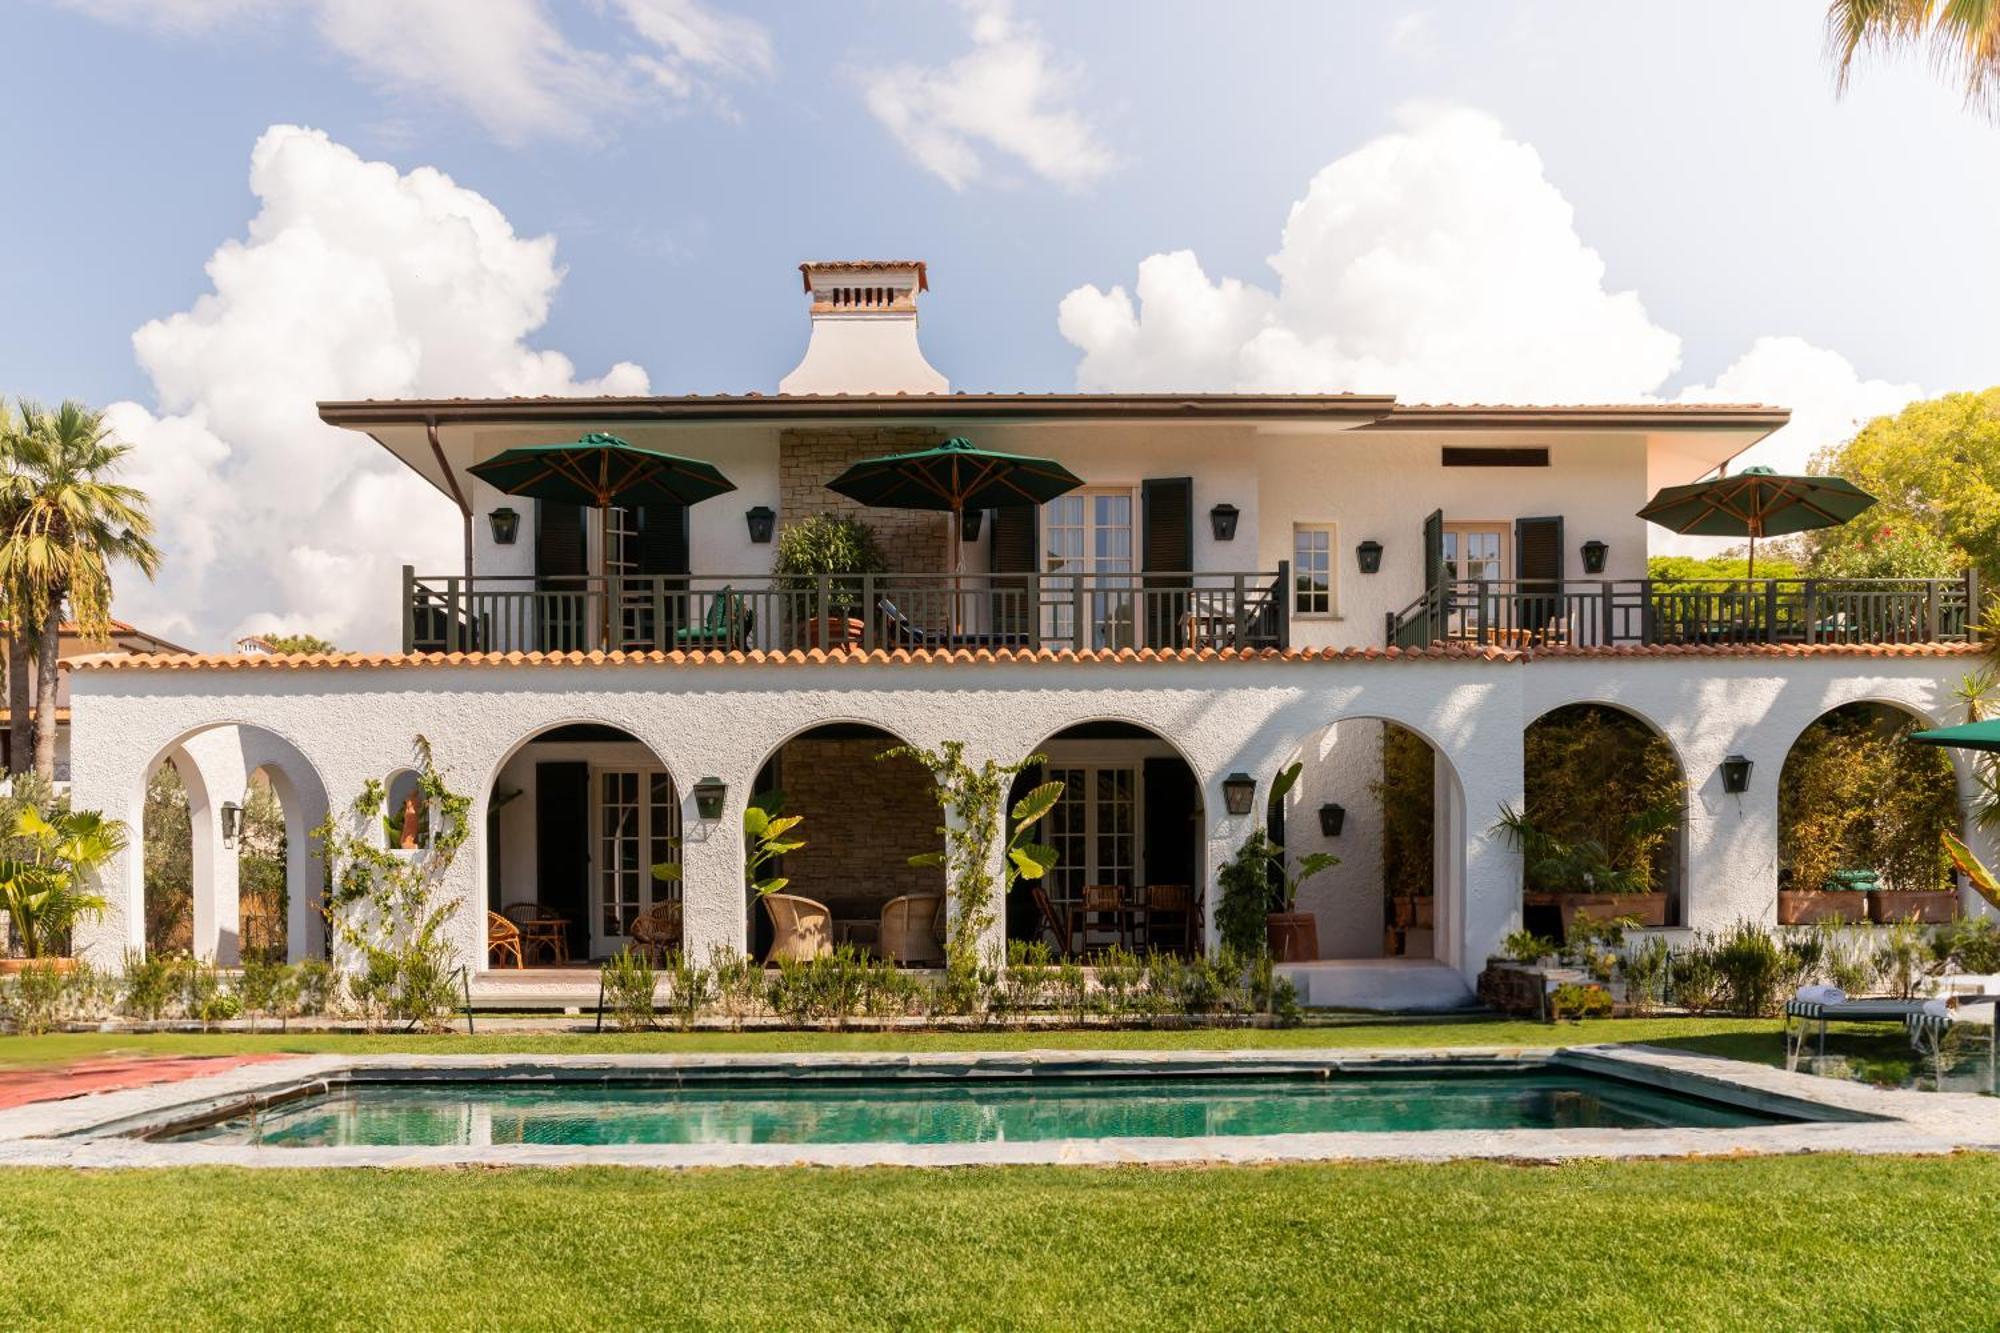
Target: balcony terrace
[(525, 613), (1609, 612)]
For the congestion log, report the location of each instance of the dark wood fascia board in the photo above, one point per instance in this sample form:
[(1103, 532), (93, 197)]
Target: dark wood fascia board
[(1652, 418)]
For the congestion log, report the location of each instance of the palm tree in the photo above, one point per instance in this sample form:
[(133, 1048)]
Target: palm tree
[(65, 524), (1963, 38)]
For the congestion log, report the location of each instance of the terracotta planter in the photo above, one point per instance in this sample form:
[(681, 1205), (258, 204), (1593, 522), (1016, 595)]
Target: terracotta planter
[(1929, 907), (1293, 936), (1649, 909), (833, 632), (1803, 907), (12, 966), (1411, 912)]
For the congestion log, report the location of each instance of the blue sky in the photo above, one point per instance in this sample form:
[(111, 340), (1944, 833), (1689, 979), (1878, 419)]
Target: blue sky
[(1707, 162)]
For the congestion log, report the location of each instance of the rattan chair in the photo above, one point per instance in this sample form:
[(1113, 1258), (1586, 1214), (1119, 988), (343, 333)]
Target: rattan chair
[(503, 938), (801, 929), (657, 932), (911, 932)]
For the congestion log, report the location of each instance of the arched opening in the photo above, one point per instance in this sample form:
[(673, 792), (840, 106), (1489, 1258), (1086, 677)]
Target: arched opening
[(1368, 794), (405, 816), (262, 851), (577, 816), (1605, 809), (167, 857), (1860, 811), (225, 870), (1129, 835), (862, 819)]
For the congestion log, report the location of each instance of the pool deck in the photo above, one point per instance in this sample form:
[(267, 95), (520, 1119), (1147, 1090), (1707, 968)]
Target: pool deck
[(1910, 1123)]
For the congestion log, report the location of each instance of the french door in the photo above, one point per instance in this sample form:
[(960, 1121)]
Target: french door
[(1474, 551), (636, 815), (1089, 532), (1094, 828)]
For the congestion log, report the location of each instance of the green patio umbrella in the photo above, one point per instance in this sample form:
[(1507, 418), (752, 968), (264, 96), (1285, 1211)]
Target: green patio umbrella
[(601, 471), (1966, 736), (953, 477), (1756, 502)]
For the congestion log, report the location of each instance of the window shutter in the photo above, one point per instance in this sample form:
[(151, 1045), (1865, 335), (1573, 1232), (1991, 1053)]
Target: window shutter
[(1166, 542), (1538, 563), (1016, 550), (562, 623), (663, 539)]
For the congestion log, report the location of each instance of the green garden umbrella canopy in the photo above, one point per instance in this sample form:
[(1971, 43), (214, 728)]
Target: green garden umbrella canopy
[(601, 471), (954, 476), (1967, 736), (1756, 502)]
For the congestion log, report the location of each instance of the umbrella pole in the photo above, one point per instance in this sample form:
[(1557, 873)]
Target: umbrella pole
[(957, 540), (604, 571)]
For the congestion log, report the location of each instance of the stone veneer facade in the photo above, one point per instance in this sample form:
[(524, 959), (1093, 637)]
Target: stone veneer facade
[(912, 540), (864, 819)]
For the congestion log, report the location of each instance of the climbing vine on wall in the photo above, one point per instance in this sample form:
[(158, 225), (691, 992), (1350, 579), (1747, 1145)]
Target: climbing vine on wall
[(386, 911)]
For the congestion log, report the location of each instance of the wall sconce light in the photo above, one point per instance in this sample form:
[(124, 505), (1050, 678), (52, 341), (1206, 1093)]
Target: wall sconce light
[(1593, 556), (1332, 818), (708, 797), (1222, 519), (506, 526), (1368, 555), (1239, 793), (232, 824), (1736, 774), (969, 524), (762, 520)]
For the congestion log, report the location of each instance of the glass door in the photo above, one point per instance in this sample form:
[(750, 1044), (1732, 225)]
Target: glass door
[(637, 818), (1474, 551), (1089, 532), (1094, 829)]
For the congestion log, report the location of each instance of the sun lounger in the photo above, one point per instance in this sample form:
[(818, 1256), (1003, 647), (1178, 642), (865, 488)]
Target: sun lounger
[(1925, 1020)]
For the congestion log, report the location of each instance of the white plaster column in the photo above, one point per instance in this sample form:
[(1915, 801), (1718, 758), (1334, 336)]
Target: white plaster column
[(714, 900), (218, 778), (99, 782)]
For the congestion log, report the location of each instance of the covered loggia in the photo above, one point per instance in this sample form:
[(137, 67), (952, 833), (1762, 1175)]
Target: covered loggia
[(1128, 834), (862, 817), (1860, 815), (577, 815)]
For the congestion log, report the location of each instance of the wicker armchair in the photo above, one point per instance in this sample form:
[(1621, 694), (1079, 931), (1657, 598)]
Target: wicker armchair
[(503, 939), (657, 932), (911, 932), (802, 929)]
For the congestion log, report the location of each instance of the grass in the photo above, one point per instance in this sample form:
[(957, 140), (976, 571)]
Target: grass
[(1734, 1038), (1820, 1242)]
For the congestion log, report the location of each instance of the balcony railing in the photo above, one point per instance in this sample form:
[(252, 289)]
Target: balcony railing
[(505, 613), (1596, 612)]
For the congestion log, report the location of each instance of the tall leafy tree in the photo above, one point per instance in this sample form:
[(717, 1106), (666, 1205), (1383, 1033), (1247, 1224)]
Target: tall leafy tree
[(1961, 37), (67, 524)]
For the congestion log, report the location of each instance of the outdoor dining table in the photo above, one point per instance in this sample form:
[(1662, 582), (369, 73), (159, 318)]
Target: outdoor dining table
[(547, 932)]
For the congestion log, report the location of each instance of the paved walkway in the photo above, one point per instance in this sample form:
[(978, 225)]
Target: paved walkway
[(19, 1087)]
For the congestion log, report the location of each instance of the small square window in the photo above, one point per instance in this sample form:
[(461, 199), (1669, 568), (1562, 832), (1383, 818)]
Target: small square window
[(1313, 583)]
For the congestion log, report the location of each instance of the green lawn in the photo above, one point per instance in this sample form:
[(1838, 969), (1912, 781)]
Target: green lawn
[(1824, 1242), (1749, 1039)]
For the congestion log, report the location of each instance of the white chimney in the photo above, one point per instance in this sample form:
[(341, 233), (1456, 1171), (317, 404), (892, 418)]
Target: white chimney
[(864, 330)]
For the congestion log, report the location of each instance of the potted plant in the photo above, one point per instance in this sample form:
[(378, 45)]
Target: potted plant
[(40, 892), (1579, 875), (830, 552), (1260, 893), (1844, 897)]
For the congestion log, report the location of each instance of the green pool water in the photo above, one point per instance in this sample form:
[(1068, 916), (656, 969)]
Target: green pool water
[(952, 1111)]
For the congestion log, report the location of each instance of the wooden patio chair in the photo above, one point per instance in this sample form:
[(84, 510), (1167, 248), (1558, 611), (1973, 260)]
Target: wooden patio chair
[(1100, 901), (1051, 922), (1172, 906), (503, 938), (910, 932), (656, 932), (801, 929)]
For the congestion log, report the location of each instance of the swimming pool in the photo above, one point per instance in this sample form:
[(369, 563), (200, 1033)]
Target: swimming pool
[(632, 1109)]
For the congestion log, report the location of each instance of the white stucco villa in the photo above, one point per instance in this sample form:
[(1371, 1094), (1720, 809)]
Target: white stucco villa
[(1244, 580)]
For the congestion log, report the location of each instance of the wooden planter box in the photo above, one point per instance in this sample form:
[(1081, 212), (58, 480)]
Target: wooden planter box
[(1803, 907), (1649, 909), (833, 632), (1930, 907), (1293, 936)]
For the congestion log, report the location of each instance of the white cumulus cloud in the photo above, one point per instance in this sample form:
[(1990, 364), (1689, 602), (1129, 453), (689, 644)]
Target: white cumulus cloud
[(1437, 262), (353, 280), (1009, 95)]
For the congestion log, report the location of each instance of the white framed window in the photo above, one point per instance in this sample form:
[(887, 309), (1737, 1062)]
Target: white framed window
[(637, 815), (1475, 551), (1315, 569), (1095, 828), (1090, 532)]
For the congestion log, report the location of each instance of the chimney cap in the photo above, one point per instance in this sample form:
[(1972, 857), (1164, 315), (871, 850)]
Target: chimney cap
[(812, 266)]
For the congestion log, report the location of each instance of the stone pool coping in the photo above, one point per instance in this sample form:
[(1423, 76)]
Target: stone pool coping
[(1907, 1123)]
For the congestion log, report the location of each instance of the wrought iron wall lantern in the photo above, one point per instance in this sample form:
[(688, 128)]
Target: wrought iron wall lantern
[(506, 525), (1368, 555), (1593, 556), (1222, 521), (762, 521), (232, 824), (1736, 774), (1332, 818), (708, 797), (1239, 793)]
